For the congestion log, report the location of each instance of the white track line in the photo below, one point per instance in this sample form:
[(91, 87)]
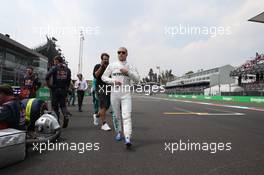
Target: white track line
[(210, 104), (223, 114)]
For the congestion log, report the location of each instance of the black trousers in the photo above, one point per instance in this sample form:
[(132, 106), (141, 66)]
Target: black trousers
[(80, 95), (58, 100)]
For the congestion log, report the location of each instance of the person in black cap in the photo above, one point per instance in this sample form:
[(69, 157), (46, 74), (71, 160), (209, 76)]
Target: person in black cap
[(61, 79), (10, 109)]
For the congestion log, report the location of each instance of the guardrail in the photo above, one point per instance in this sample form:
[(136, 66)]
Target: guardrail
[(243, 99)]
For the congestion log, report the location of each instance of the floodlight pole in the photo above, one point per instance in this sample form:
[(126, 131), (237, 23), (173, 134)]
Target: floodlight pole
[(80, 65)]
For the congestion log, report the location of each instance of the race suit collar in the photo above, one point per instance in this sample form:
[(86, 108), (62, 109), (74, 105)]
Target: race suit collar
[(123, 62)]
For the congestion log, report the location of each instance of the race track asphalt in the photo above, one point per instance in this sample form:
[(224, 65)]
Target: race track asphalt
[(159, 126)]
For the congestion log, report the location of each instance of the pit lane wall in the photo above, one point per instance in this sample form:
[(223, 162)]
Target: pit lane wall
[(243, 99), (44, 93)]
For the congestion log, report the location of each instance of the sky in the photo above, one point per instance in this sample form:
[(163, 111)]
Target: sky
[(172, 34)]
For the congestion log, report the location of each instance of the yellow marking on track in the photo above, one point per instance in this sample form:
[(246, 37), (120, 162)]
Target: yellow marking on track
[(202, 113)]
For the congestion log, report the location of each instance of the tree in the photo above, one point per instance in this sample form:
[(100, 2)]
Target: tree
[(155, 78), (190, 72), (162, 78), (49, 50), (151, 75)]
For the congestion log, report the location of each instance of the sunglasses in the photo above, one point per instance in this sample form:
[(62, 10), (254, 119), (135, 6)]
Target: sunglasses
[(121, 52)]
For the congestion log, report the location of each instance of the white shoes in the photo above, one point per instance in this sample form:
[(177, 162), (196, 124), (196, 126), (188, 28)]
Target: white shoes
[(96, 120), (106, 127)]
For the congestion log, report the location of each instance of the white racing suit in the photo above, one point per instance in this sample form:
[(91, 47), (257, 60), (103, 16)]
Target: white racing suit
[(121, 95)]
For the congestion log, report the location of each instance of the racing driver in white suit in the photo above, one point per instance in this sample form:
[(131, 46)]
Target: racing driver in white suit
[(120, 75)]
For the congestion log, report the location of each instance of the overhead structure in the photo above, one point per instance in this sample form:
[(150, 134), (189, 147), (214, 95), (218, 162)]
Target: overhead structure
[(259, 18)]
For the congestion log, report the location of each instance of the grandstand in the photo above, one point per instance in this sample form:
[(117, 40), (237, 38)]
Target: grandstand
[(196, 83), (250, 76), (15, 58)]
